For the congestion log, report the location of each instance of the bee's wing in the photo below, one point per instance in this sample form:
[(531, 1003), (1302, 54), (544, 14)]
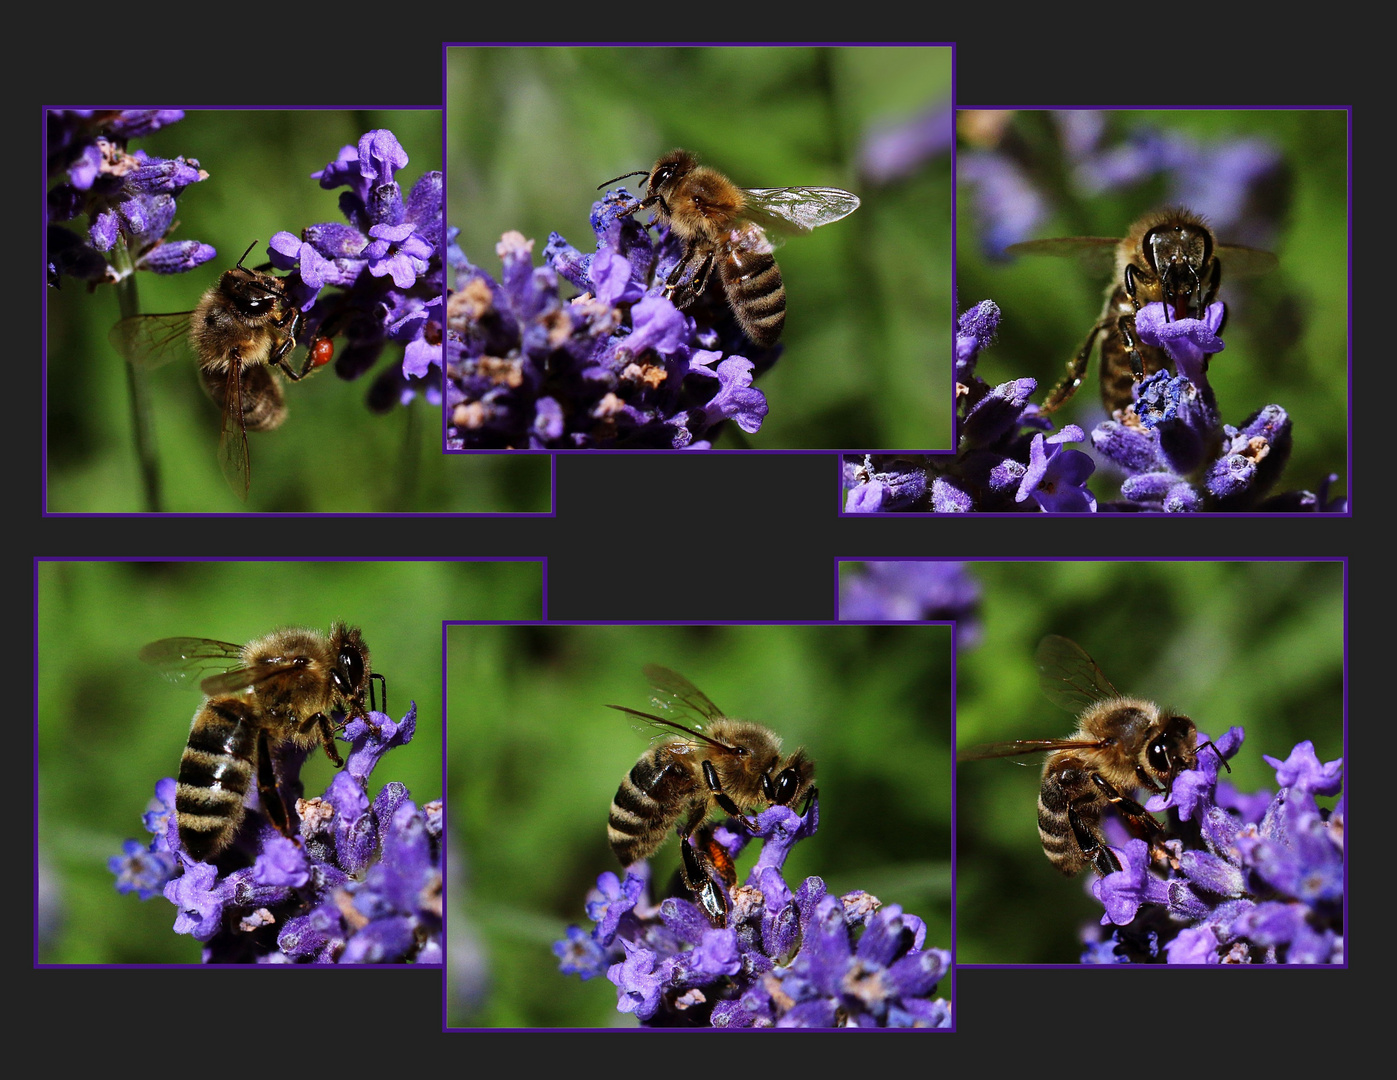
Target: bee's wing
[(677, 694), (1023, 746), (240, 679), (655, 727), (1238, 261), (1097, 253), (797, 210), (227, 391), (184, 660), (1069, 677), (150, 340)]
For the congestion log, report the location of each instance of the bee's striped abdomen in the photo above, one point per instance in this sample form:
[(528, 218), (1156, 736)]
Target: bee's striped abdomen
[(1062, 781), (215, 772), (648, 801), (753, 284)]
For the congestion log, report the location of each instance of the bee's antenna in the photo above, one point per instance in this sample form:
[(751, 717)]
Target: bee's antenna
[(638, 172), (246, 253)]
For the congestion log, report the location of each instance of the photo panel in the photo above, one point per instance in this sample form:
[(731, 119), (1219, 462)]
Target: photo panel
[(598, 879), (165, 691), (195, 251), (622, 278), (1153, 316), (1150, 755)]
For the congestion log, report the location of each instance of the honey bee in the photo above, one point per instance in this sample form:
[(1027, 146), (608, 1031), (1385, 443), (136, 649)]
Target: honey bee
[(1121, 744), (720, 223), (717, 764), (1169, 256), (241, 327), (278, 690)]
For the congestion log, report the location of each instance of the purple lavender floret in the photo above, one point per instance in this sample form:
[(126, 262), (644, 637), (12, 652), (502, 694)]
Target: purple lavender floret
[(360, 884), (786, 958), (125, 197), (384, 270), (1247, 879), (141, 869), (915, 590), (1008, 458), (1172, 445), (617, 366)]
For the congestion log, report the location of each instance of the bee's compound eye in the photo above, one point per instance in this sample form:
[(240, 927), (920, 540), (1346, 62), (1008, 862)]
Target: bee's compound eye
[(351, 670), (786, 786), (1158, 756)]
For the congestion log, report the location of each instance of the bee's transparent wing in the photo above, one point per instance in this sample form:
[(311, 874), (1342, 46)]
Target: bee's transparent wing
[(1238, 261), (678, 695), (239, 680), (1016, 747), (184, 661), (151, 340), (1069, 677), (797, 210), (232, 437), (655, 728), (1097, 253)]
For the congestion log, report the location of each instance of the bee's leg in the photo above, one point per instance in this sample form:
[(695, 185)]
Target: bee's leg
[(1138, 820), (291, 324), (320, 723), (1209, 292), (1092, 844), (1125, 326), (1060, 394), (306, 367), (267, 790), (678, 272), (682, 293), (1137, 363), (292, 339), (700, 879), (696, 867), (710, 777), (328, 329), (1128, 808)]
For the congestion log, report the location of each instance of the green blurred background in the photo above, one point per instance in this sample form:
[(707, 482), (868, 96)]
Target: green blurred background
[(1287, 331), (332, 454), (533, 131), (109, 726), (535, 758), (1255, 644)]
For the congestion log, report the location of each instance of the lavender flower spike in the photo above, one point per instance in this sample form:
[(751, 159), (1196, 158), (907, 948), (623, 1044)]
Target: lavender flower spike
[(127, 197), (383, 268), (617, 366), (1006, 460), (786, 958), (361, 883), (1248, 880)]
